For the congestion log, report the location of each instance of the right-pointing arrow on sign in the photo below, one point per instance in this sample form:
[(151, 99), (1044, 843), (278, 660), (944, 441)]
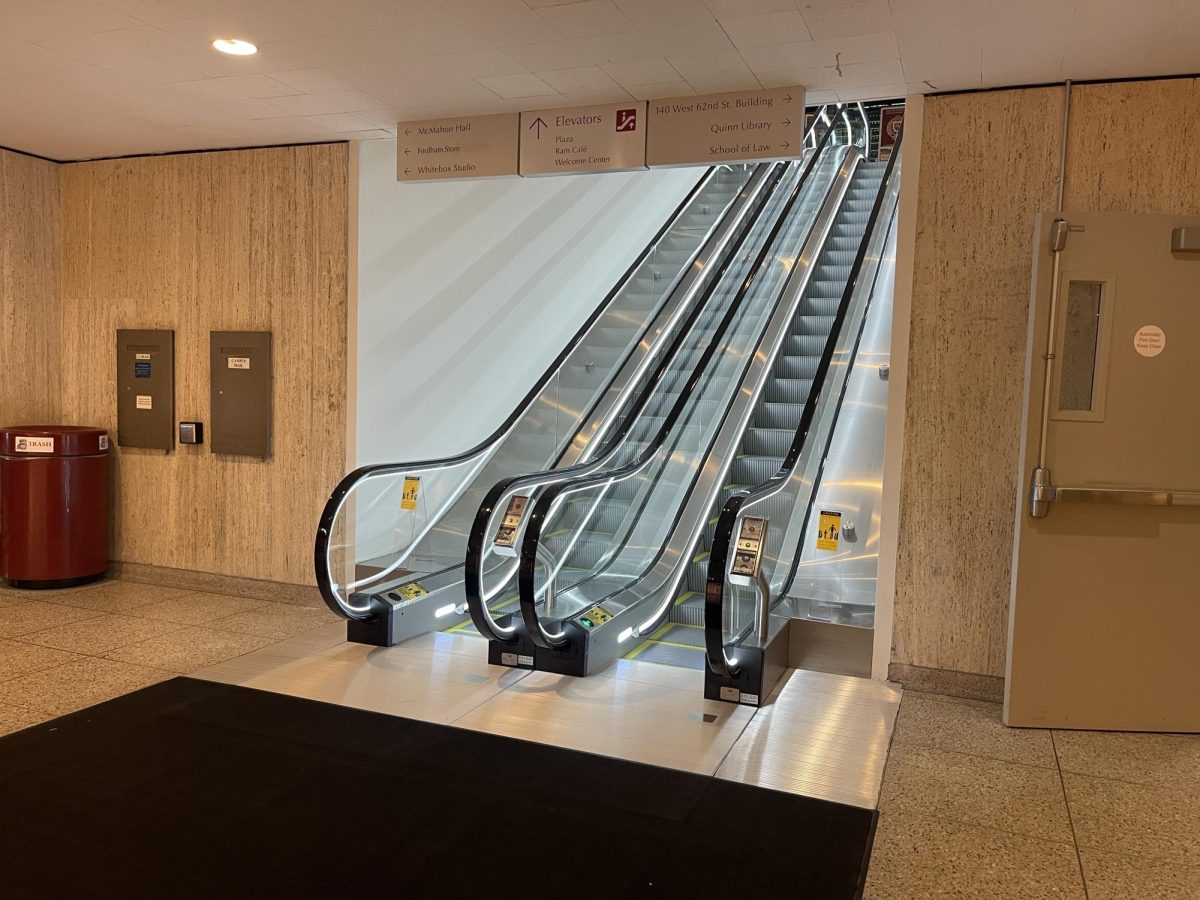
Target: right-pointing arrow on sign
[(786, 144)]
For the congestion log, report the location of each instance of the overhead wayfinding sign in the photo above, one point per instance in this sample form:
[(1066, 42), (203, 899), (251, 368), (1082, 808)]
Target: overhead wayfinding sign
[(742, 126), (465, 147), (609, 138)]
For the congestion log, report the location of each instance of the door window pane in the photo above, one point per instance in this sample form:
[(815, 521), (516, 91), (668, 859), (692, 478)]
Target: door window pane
[(1080, 345)]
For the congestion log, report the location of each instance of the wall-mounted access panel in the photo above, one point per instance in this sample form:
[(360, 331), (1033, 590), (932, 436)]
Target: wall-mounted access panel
[(146, 389), (240, 400)]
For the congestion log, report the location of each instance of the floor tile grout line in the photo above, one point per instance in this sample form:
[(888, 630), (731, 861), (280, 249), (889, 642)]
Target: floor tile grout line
[(984, 827), (1062, 782), (487, 700), (905, 743)]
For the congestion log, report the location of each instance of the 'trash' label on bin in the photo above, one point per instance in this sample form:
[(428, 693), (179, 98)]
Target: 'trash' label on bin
[(34, 445)]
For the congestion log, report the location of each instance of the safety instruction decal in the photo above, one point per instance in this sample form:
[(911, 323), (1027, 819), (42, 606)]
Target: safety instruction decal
[(34, 445), (1150, 341), (595, 617), (412, 591), (829, 530), (145, 401), (408, 499)]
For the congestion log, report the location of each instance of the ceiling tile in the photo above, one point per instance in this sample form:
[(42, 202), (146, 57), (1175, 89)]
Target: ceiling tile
[(661, 90), (479, 63), (651, 13), (326, 102), (156, 11), (579, 79), (139, 42), (642, 71), (516, 86), (339, 122), (234, 87), (585, 19), (53, 20), (873, 92), (943, 53), (715, 72), (723, 9), (858, 48), (34, 60), (939, 14), (784, 56), (311, 81), (844, 19), (773, 28)]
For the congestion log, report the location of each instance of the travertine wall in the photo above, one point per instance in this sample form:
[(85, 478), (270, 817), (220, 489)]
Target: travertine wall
[(238, 240), (988, 166), (29, 272)]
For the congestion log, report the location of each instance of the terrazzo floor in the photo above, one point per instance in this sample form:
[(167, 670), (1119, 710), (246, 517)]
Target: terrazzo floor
[(968, 807)]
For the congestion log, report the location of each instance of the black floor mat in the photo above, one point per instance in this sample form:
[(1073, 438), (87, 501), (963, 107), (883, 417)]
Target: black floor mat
[(195, 789)]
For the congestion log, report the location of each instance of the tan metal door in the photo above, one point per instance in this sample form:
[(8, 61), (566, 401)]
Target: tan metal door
[(1104, 619)]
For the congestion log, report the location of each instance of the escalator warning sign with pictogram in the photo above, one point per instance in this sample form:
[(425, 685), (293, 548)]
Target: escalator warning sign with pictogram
[(829, 530), (412, 591), (408, 499)]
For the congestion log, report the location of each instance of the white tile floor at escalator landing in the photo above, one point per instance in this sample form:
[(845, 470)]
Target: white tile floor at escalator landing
[(631, 714)]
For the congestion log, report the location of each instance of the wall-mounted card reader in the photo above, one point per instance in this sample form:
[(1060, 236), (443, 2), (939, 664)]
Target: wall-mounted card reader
[(240, 398), (506, 535), (146, 389), (191, 432), (747, 556)]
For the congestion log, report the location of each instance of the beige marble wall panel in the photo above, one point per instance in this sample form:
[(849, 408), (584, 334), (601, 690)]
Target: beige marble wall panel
[(29, 273), (239, 240), (988, 163)]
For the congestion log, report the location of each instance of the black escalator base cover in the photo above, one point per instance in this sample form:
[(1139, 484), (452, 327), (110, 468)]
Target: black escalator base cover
[(517, 654), (377, 631), (571, 659)]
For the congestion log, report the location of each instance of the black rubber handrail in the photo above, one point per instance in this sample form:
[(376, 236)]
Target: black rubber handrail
[(476, 540), (718, 559), (343, 488), (541, 510)]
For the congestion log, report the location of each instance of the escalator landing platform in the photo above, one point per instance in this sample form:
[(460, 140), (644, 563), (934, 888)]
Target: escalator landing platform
[(820, 735)]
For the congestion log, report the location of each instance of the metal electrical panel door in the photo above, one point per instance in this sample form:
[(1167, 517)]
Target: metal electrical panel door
[(240, 385), (1104, 618), (146, 389)]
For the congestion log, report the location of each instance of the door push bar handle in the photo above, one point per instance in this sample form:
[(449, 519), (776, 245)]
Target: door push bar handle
[(1042, 494)]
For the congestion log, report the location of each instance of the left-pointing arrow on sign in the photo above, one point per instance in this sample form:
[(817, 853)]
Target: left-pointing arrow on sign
[(539, 124)]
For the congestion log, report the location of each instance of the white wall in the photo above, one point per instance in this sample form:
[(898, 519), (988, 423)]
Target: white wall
[(468, 290)]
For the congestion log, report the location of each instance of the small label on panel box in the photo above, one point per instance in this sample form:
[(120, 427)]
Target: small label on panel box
[(145, 401), (525, 660), (408, 499), (749, 699), (829, 530), (141, 356), (239, 362), (34, 445), (104, 442), (515, 659), (1150, 341), (141, 370), (731, 694)]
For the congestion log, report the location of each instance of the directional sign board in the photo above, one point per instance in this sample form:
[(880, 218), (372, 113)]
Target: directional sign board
[(465, 147), (742, 126), (587, 139)]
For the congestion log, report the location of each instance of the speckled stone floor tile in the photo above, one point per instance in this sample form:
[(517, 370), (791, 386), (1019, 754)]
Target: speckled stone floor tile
[(75, 685), (917, 857), (97, 635), (1112, 876), (1147, 822), (14, 718), (189, 649), (18, 658), (118, 596), (976, 790), (199, 608), (277, 621), (969, 726), (1163, 759), (35, 615)]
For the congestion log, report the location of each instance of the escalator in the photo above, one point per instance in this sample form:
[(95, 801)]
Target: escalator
[(589, 514), (391, 540), (617, 562)]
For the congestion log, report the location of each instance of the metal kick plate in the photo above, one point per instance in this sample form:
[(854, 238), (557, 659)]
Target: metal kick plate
[(146, 389), (240, 398)]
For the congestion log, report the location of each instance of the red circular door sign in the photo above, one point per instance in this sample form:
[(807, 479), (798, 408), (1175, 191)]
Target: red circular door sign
[(1150, 340)]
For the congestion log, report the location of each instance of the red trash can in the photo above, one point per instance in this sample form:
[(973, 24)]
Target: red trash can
[(53, 505)]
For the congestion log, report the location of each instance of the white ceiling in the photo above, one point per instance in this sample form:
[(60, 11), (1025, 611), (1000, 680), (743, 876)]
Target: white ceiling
[(88, 78)]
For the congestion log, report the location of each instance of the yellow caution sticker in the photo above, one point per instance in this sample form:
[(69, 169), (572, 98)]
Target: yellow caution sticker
[(411, 591), (829, 530), (408, 500), (595, 617)]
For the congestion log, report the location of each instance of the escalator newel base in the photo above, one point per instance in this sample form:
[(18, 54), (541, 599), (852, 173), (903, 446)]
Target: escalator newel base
[(759, 670), (518, 654), (570, 659), (378, 630)]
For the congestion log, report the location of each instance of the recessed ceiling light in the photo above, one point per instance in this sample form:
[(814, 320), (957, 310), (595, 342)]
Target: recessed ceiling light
[(235, 47)]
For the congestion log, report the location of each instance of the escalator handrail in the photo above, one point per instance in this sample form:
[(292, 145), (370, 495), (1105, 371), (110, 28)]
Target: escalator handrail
[(477, 539), (541, 510), (718, 560), (338, 496)]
